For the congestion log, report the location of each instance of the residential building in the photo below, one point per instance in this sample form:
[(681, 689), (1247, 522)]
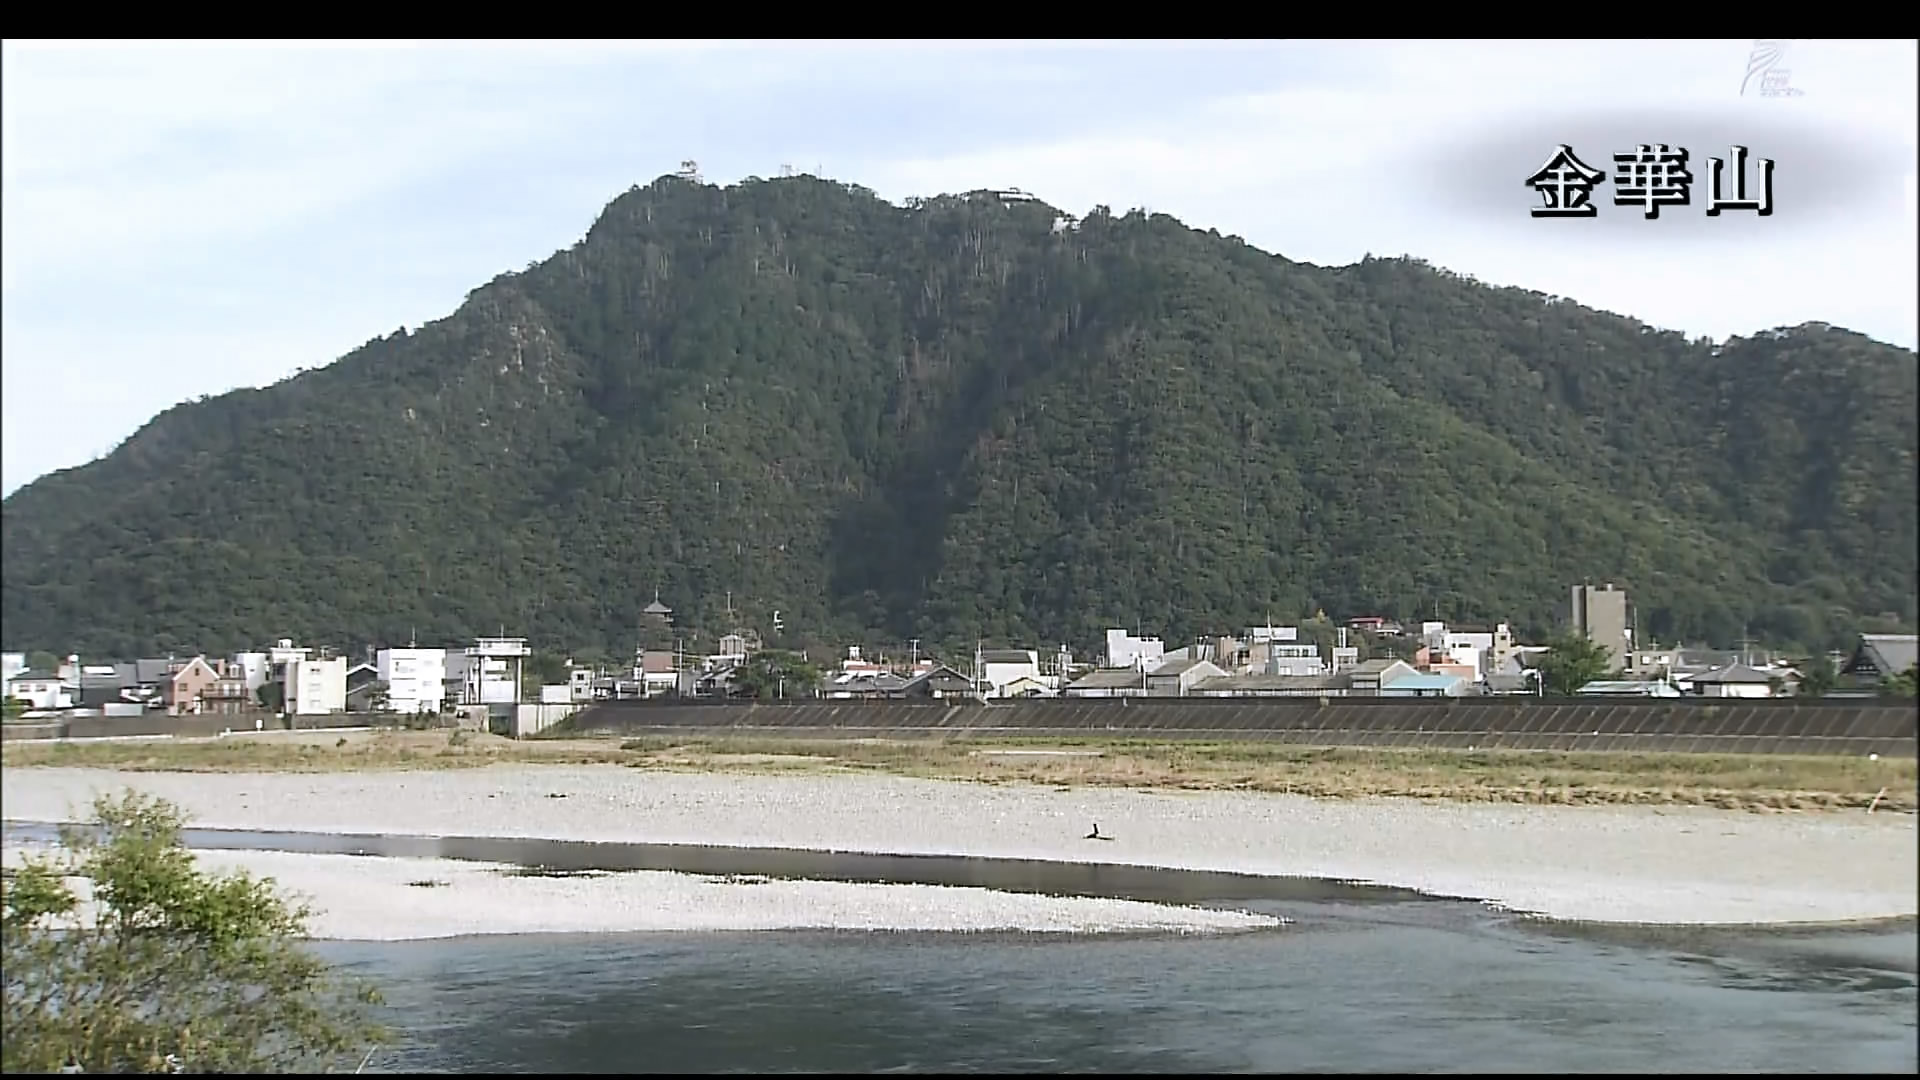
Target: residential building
[(1126, 651), (1446, 665), (1367, 677), (1425, 684), (1177, 678), (1600, 616), (108, 684), (1511, 684), (1000, 668), (863, 684), (1681, 663), (1629, 688), (937, 681), (1735, 680), (416, 678), (182, 689), (855, 664), (580, 683), (40, 690), (363, 694), (229, 693), (1502, 648), (1335, 684), (1473, 654), (657, 672), (256, 669), (1026, 686), (316, 687), (278, 657), (1293, 658), (1344, 656), (11, 664), (1109, 682), (1880, 655), (732, 647)]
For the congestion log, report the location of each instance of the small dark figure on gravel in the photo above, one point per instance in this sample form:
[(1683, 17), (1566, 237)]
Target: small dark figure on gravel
[(1095, 834)]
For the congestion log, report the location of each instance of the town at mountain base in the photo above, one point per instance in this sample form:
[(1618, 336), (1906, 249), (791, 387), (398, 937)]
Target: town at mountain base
[(977, 418), (504, 684)]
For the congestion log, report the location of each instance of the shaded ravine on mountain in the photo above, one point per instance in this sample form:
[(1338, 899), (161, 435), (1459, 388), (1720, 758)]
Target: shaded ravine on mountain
[(965, 418)]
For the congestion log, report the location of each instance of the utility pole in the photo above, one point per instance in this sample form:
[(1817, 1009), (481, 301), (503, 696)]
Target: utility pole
[(916, 652)]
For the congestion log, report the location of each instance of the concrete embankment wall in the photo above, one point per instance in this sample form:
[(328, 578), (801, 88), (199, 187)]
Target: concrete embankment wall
[(1720, 726)]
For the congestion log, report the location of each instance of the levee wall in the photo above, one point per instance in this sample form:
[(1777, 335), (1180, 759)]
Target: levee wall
[(533, 719), (1722, 726)]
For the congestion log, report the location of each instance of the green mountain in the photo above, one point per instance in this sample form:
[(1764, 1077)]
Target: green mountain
[(973, 418)]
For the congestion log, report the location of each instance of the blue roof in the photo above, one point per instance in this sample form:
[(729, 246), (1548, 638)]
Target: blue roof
[(1424, 680)]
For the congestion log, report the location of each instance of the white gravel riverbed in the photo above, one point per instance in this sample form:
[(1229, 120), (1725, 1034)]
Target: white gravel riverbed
[(371, 898), (1606, 864)]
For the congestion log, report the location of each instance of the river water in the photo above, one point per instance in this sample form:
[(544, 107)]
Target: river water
[(1372, 988), (1361, 979)]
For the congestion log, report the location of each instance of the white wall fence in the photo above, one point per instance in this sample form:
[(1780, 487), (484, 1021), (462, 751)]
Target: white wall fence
[(533, 719)]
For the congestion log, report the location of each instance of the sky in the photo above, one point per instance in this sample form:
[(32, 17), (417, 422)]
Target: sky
[(178, 220)]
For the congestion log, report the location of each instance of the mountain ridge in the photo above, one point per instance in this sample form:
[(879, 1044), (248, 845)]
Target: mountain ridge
[(961, 418)]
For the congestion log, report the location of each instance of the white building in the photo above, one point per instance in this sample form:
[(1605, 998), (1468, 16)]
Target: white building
[(657, 672), (732, 647), (255, 667), (1126, 651), (282, 654), (316, 687), (1259, 634), (40, 690), (1484, 652), (11, 664), (1001, 668), (1294, 658), (416, 678)]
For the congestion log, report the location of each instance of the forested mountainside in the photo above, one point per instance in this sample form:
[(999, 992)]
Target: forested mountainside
[(972, 418)]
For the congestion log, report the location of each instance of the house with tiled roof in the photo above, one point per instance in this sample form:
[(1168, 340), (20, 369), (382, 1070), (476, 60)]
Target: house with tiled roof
[(1877, 656), (1735, 680)]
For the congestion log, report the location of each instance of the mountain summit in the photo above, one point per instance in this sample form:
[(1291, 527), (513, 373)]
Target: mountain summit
[(976, 417)]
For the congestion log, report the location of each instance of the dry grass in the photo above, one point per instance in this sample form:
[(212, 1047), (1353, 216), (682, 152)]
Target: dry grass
[(316, 752), (1754, 782)]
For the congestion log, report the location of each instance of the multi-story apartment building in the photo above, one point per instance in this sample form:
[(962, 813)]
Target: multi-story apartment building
[(415, 678), (1600, 615), (316, 687)]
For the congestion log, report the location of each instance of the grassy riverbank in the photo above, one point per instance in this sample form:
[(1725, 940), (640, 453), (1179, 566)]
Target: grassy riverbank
[(1756, 782)]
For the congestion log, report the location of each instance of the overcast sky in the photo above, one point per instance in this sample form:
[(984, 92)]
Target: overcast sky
[(181, 220)]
